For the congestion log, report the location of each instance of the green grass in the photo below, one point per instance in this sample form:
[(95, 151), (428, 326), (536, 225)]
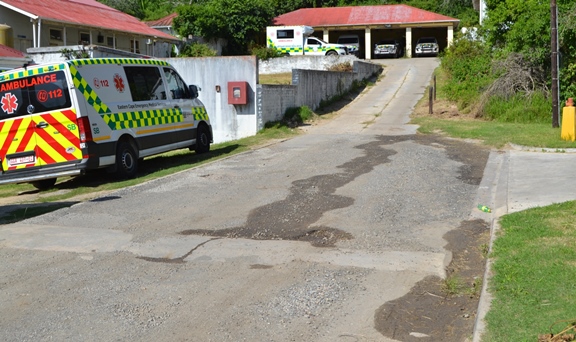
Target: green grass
[(281, 78), (533, 285), (497, 134)]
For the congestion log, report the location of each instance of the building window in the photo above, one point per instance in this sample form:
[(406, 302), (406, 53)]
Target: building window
[(55, 34), (135, 43), (110, 41), (84, 38)]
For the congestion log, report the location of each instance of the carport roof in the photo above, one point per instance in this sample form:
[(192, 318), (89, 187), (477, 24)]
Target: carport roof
[(361, 16)]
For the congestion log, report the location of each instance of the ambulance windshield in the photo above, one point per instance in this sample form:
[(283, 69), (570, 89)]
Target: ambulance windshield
[(34, 94)]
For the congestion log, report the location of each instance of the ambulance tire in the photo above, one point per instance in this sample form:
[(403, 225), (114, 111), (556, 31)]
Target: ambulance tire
[(126, 161), (331, 53), (44, 184), (202, 140)]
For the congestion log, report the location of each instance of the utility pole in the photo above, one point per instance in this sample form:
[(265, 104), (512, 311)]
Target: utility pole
[(555, 83)]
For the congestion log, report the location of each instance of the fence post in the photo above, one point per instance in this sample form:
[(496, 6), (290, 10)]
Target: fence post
[(430, 100), (434, 87)]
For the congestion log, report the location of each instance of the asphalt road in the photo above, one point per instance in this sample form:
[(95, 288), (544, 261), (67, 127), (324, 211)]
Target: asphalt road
[(301, 240)]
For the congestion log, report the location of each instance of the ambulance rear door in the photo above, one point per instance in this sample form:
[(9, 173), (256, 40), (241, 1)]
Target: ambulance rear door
[(38, 126)]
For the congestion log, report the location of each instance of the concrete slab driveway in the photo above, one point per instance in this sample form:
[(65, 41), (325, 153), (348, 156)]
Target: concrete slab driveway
[(304, 240)]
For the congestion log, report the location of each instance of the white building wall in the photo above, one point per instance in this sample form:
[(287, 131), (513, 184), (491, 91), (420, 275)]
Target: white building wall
[(229, 122)]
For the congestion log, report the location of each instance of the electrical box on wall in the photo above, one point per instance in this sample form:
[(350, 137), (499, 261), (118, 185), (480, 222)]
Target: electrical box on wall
[(237, 93)]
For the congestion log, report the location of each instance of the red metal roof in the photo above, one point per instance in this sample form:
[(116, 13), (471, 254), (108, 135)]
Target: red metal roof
[(6, 51), (360, 15), (162, 22), (89, 13)]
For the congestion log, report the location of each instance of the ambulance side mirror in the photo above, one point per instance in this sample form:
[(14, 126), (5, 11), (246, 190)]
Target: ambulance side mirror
[(194, 91)]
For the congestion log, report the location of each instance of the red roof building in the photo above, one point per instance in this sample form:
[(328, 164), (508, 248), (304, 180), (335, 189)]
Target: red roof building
[(164, 24), (11, 58), (374, 23), (43, 23), (8, 52)]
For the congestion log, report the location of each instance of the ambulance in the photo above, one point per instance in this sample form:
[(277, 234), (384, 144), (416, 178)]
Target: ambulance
[(298, 40), (63, 119)]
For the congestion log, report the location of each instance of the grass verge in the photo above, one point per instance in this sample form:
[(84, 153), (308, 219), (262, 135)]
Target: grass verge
[(534, 261), (496, 134)]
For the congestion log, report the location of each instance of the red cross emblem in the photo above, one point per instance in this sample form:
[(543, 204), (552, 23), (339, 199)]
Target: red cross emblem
[(119, 83), (9, 103)]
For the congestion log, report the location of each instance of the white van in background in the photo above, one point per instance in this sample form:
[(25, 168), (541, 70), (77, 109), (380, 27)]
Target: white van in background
[(298, 40)]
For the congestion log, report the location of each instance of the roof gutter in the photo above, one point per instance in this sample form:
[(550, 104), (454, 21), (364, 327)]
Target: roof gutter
[(395, 25), (99, 28), (16, 9)]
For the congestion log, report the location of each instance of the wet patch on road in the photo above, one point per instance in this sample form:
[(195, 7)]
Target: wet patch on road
[(179, 260), (309, 199), (442, 309), (260, 267)]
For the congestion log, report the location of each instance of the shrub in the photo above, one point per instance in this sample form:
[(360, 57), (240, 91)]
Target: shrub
[(346, 66), (468, 65), (197, 50), (69, 54), (536, 108), (295, 116), (265, 53)]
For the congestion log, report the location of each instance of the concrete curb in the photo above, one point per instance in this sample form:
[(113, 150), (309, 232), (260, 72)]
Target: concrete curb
[(496, 180)]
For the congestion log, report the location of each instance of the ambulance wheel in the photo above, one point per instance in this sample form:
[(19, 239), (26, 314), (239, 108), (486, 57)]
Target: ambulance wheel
[(331, 53), (126, 161), (202, 140), (44, 184)]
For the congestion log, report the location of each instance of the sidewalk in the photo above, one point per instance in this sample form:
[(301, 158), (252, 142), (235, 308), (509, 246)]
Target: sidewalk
[(518, 179)]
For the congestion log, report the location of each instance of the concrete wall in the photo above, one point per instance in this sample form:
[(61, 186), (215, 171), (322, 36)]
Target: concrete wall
[(229, 122), (275, 99), (288, 63), (310, 88)]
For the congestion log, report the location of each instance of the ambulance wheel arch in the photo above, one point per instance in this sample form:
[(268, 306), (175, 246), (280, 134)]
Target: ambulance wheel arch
[(126, 165), (331, 53), (203, 139)]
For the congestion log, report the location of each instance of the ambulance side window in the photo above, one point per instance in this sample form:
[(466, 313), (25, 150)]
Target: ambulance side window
[(285, 34), (176, 86), (313, 42), (145, 83)]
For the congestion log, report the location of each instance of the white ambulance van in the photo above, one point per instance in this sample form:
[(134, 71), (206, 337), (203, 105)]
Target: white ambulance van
[(62, 119), (297, 40)]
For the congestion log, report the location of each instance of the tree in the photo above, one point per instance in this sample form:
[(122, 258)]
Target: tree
[(237, 21), (144, 9), (523, 26)]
